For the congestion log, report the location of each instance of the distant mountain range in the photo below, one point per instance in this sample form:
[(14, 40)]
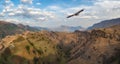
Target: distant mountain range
[(7, 28), (105, 24), (64, 28)]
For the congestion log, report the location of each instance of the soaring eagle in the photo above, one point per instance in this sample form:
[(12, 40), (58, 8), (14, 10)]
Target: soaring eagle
[(75, 14)]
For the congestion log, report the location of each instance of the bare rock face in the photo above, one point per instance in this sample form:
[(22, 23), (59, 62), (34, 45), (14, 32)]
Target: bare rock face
[(98, 46)]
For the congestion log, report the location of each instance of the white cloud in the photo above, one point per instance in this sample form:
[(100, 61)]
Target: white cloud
[(41, 18), (7, 1), (8, 6), (11, 14), (19, 12), (2, 14), (27, 1), (28, 14), (53, 7), (108, 4)]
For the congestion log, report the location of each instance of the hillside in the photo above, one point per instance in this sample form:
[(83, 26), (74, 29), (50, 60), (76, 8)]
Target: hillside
[(100, 46), (105, 24), (7, 28)]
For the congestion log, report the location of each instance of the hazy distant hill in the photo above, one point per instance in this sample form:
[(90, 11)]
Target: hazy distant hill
[(7, 28), (64, 28), (106, 23), (41, 28), (99, 46)]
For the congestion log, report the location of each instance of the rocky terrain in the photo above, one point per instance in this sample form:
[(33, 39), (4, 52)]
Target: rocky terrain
[(98, 46)]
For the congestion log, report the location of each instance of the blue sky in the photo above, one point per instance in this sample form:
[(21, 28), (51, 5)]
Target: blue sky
[(52, 13)]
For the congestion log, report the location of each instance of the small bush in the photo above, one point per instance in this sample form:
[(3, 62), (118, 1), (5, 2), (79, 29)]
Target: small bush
[(27, 48), (40, 51)]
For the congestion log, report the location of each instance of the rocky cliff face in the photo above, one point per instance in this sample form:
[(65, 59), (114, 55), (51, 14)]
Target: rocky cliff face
[(99, 46)]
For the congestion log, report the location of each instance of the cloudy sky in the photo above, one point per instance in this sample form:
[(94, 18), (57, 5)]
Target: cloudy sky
[(52, 13)]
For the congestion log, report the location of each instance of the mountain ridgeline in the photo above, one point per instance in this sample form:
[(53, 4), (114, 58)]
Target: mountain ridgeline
[(105, 24), (64, 28), (98, 46), (7, 28)]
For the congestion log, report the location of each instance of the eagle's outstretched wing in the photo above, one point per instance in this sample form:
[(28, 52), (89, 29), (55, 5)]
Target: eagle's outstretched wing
[(70, 16), (76, 14)]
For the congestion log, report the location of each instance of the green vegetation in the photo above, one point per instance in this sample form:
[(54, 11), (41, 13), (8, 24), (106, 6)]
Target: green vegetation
[(27, 48), (39, 49), (19, 39)]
